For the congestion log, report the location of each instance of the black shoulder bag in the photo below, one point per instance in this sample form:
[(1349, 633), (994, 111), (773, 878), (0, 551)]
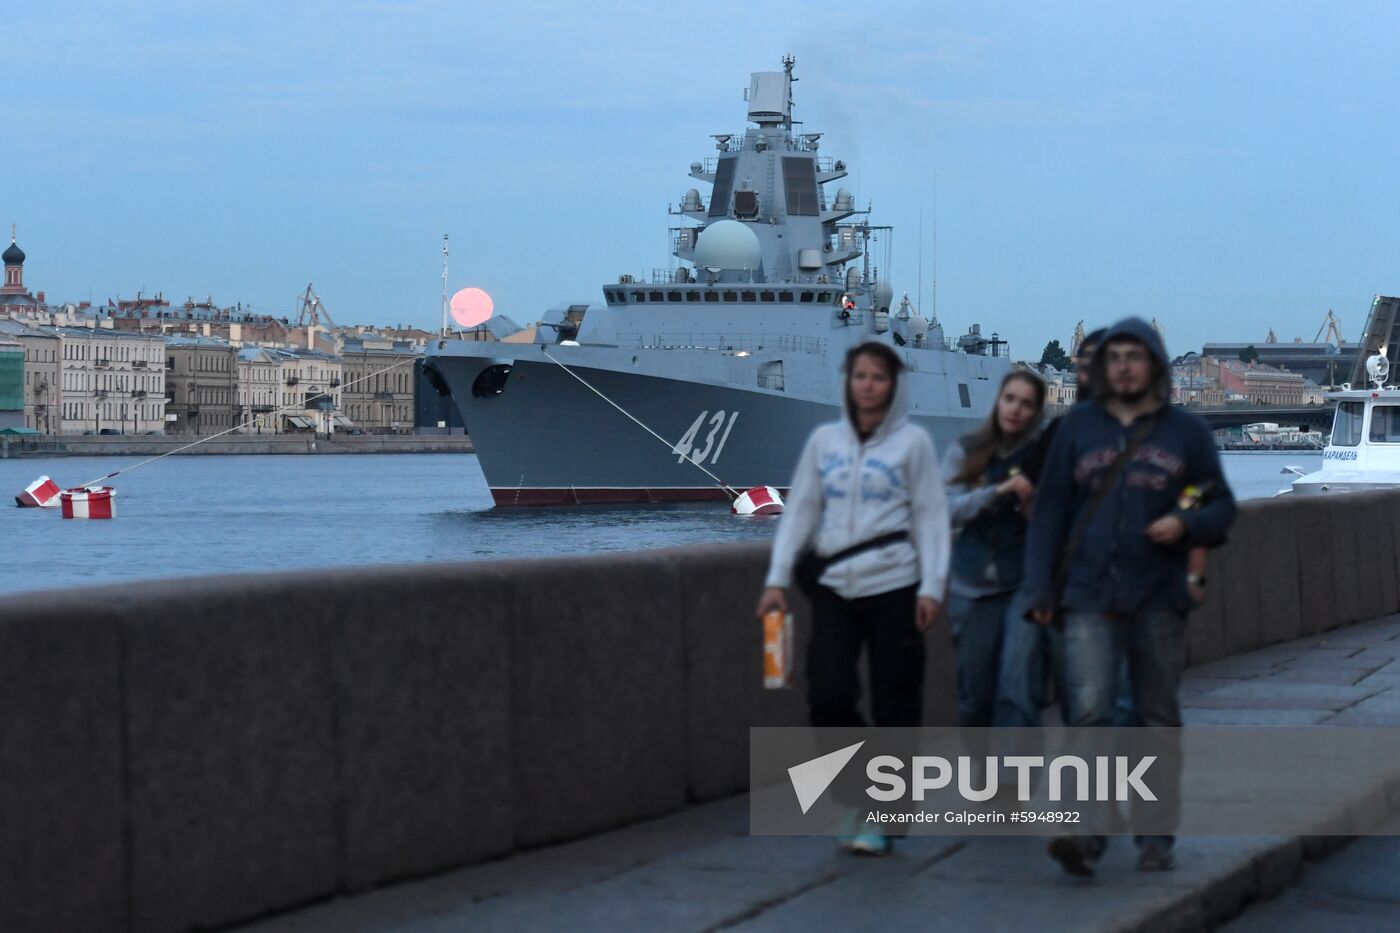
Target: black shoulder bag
[(1081, 526), (810, 566)]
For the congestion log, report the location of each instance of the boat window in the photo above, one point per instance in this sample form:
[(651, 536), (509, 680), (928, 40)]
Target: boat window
[(806, 298), (750, 296), (712, 296), (673, 296), (766, 296), (1385, 424), (639, 296), (823, 297), (731, 296), (963, 395), (785, 296), (1346, 429), (692, 295), (657, 297)]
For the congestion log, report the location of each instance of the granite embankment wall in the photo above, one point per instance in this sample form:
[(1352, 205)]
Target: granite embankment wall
[(193, 753), (146, 446)]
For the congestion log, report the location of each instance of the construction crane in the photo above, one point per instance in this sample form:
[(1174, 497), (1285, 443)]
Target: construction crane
[(1333, 326), (313, 311), (1272, 338)]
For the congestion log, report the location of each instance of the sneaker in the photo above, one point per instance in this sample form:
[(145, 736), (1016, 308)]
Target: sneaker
[(1155, 854), (869, 842), (1077, 855), (848, 831)]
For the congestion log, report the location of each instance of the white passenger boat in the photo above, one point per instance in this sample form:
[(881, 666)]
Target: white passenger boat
[(1363, 451)]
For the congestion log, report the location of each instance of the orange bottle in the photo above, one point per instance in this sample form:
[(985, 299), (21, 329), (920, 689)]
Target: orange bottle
[(777, 650)]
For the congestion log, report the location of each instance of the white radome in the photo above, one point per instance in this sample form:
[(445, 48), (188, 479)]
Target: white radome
[(728, 244)]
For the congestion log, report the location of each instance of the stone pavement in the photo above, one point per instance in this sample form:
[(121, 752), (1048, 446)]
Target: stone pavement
[(699, 870)]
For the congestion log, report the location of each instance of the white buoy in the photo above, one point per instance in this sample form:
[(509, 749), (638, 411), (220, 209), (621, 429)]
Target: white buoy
[(40, 494), (760, 500)]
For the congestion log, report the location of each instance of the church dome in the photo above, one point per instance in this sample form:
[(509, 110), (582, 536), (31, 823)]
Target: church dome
[(13, 256)]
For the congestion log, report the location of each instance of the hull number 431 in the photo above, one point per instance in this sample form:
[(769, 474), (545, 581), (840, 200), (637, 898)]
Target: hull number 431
[(692, 447)]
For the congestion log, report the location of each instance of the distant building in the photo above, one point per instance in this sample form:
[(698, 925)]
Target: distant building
[(11, 384), (110, 380), (201, 385), (378, 391), (259, 387), (1257, 382), (1324, 363), (43, 395), (312, 380), (14, 297)]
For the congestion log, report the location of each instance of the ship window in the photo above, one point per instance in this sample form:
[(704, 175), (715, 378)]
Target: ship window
[(766, 296), (746, 204), (1346, 429), (750, 296), (806, 298), (823, 297), (724, 183), (673, 296), (1385, 424), (657, 297), (607, 293), (963, 395), (731, 296), (712, 296), (639, 296), (692, 295), (800, 185), (785, 296)]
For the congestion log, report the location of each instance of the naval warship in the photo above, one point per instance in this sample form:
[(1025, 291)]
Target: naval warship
[(707, 378)]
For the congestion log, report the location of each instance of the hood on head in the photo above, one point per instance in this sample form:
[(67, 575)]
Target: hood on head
[(1145, 334), (898, 412)]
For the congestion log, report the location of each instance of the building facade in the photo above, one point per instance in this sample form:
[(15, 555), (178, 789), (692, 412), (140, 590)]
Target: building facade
[(311, 379), (379, 385), (11, 384), (111, 382), (43, 394), (201, 385), (259, 388)]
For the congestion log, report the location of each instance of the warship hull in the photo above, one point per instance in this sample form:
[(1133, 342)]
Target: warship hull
[(547, 436)]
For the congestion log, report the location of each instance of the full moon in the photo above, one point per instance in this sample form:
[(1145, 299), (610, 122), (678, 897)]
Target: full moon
[(471, 306)]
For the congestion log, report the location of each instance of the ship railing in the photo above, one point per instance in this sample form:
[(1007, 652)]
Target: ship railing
[(780, 343)]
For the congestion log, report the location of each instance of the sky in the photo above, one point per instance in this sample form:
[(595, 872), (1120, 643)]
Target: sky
[(1226, 168)]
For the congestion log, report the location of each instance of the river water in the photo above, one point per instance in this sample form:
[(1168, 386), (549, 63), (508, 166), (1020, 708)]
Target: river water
[(200, 515)]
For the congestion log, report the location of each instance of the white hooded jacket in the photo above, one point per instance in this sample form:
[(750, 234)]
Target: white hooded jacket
[(844, 492)]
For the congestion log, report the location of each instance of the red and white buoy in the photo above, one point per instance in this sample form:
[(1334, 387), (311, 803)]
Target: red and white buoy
[(40, 494), (760, 500), (89, 502)]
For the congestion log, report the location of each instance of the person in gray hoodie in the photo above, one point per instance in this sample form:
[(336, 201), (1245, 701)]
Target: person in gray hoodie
[(871, 475)]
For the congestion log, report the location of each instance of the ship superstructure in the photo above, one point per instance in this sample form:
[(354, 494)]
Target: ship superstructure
[(711, 374)]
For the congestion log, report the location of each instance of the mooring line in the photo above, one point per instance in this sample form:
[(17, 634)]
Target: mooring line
[(718, 482), (202, 440)]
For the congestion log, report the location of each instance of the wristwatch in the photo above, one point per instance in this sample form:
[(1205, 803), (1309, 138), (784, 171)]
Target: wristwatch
[(1196, 579)]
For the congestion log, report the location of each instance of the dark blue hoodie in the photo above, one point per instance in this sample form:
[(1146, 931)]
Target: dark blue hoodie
[(1116, 568)]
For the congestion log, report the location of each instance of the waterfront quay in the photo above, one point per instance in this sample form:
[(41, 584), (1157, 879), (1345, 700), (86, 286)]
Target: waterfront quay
[(137, 446), (537, 744)]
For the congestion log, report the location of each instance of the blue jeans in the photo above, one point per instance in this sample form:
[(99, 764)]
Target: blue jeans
[(1002, 661), (1091, 653)]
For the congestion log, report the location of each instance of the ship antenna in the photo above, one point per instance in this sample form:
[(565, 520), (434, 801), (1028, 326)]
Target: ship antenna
[(444, 285), (920, 292), (933, 286)]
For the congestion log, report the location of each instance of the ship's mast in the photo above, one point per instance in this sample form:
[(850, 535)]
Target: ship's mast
[(444, 285)]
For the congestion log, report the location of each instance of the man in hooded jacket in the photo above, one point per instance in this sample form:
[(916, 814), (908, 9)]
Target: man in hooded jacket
[(1122, 594)]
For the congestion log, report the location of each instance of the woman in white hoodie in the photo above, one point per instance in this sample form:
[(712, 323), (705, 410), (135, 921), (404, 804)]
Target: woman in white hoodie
[(872, 476)]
